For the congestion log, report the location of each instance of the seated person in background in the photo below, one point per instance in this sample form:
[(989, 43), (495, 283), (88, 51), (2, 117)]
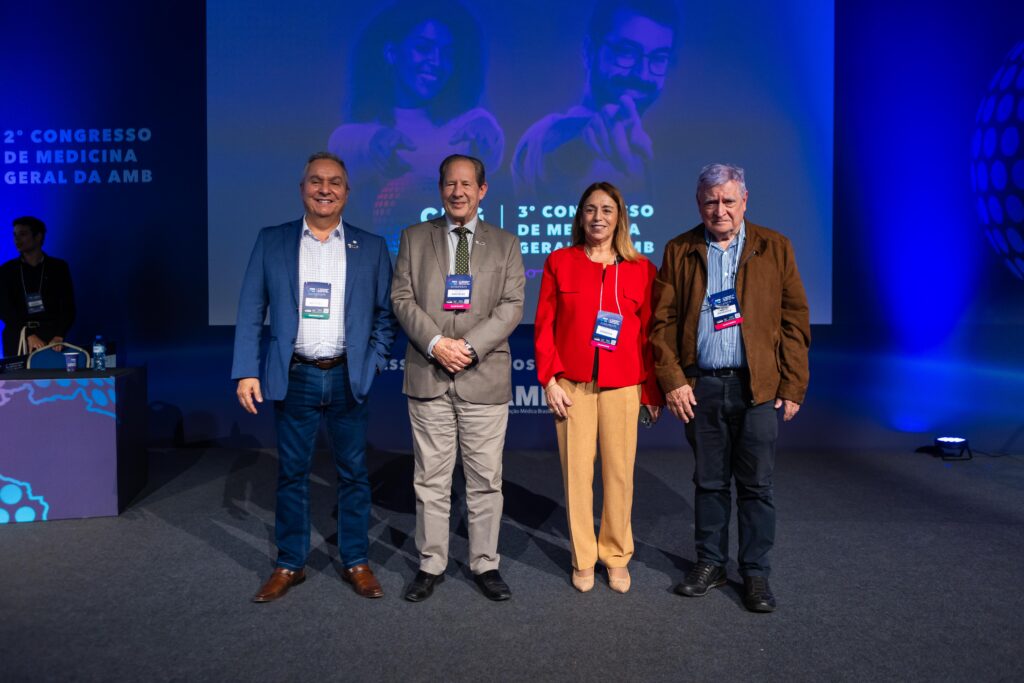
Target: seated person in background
[(36, 296)]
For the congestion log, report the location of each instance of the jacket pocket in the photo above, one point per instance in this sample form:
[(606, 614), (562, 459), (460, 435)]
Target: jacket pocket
[(568, 287), (635, 295), (487, 285)]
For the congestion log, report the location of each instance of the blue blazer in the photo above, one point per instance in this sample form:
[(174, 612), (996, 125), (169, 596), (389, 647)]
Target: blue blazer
[(272, 280)]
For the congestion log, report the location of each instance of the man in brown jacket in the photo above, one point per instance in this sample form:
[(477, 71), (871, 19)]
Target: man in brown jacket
[(730, 332)]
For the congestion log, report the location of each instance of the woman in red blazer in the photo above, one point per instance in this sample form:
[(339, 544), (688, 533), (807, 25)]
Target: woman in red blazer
[(594, 362)]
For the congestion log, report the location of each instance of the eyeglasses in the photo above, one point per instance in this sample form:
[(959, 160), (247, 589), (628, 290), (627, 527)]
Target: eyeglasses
[(628, 55)]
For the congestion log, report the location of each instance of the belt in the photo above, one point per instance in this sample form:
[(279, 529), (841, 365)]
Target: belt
[(723, 372), (322, 363)]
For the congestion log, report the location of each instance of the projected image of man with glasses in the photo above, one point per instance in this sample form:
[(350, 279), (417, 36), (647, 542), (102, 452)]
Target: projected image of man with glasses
[(627, 52)]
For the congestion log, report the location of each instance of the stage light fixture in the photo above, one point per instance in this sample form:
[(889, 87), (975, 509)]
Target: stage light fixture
[(954, 447)]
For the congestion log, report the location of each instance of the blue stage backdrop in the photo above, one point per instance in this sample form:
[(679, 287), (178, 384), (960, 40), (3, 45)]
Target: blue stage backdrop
[(552, 96), (104, 135)]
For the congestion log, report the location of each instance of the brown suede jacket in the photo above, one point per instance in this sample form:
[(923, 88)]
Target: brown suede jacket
[(776, 326)]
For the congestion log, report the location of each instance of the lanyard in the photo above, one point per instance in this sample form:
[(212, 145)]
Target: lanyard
[(733, 262), (600, 301), (42, 272)]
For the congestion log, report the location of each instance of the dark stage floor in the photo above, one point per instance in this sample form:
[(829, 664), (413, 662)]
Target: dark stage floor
[(888, 566)]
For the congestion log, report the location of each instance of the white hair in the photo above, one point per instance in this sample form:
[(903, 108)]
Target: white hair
[(714, 175)]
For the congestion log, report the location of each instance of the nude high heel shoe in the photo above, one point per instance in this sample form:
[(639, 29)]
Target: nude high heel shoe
[(583, 580), (618, 579)]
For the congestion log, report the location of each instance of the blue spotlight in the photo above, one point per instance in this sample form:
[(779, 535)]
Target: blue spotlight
[(953, 448)]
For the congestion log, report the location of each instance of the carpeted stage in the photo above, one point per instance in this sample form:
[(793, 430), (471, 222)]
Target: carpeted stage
[(888, 566)]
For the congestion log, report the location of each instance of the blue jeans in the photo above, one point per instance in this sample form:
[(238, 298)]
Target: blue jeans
[(732, 439), (315, 394)]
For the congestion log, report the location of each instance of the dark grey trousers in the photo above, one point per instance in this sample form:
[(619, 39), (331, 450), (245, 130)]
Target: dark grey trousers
[(731, 439)]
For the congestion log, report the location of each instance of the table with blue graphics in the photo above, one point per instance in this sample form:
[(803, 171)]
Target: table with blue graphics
[(72, 445)]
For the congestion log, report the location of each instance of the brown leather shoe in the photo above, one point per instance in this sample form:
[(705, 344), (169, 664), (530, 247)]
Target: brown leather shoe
[(363, 581), (278, 584)]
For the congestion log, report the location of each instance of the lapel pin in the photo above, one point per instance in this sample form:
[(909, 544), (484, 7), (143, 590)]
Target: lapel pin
[(353, 245)]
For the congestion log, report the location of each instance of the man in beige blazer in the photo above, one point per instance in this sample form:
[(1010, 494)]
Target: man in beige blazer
[(458, 369)]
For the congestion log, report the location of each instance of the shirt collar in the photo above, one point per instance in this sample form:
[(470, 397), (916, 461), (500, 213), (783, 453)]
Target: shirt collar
[(737, 241), (469, 225), (339, 229)]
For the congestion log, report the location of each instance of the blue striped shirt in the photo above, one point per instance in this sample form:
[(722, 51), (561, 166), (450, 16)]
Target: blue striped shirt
[(721, 348)]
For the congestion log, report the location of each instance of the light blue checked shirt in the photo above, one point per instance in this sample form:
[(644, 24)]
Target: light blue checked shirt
[(722, 348), (322, 262)]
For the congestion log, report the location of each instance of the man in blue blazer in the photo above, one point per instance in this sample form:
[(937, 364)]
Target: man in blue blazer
[(327, 285)]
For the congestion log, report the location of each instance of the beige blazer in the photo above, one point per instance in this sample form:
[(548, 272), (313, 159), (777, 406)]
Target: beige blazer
[(496, 307)]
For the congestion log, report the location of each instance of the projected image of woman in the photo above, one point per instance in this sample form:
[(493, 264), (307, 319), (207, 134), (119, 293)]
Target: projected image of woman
[(417, 74), (596, 366)]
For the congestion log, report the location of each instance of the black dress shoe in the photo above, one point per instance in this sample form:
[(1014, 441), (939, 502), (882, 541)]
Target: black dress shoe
[(422, 587), (492, 586), (703, 577), (757, 594)]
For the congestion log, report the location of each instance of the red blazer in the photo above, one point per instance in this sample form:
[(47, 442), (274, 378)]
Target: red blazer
[(569, 296)]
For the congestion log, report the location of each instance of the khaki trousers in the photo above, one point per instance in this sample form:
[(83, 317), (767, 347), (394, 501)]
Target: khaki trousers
[(441, 428), (608, 417)]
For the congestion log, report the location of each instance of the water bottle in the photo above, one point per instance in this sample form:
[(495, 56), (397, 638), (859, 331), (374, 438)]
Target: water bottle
[(99, 354)]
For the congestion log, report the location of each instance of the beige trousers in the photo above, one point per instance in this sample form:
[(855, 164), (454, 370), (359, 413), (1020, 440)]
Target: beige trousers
[(608, 417), (441, 428)]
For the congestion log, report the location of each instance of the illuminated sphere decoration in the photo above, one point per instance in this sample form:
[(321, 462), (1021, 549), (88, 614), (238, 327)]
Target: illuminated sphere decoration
[(997, 166)]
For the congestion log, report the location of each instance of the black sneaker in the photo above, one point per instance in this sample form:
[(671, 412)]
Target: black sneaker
[(703, 577), (757, 594)]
